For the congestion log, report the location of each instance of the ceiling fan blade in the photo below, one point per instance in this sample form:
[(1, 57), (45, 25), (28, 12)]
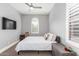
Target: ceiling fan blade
[(31, 5), (37, 7), (28, 4)]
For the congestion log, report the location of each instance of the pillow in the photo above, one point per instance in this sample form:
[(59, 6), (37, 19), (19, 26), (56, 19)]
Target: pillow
[(45, 36), (50, 36), (53, 37), (58, 39)]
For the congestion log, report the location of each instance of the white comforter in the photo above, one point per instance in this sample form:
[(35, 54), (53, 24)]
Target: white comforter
[(34, 43)]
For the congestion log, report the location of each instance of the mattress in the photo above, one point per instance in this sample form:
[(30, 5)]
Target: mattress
[(34, 43)]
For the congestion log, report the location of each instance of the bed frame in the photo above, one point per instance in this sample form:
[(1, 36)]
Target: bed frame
[(33, 50)]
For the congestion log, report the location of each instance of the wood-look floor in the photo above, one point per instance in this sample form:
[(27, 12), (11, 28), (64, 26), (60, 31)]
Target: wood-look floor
[(12, 52)]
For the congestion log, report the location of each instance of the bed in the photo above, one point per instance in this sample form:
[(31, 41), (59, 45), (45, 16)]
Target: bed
[(36, 43)]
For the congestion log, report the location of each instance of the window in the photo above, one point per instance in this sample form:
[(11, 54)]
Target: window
[(73, 22), (35, 25)]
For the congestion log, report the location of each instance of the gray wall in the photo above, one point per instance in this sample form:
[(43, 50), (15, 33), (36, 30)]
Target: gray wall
[(9, 36), (43, 23), (57, 21)]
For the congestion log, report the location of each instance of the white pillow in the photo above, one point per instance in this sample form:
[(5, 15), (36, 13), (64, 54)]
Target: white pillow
[(45, 36), (54, 37), (50, 36)]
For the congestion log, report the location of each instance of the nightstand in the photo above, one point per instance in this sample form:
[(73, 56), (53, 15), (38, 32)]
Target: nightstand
[(27, 34), (22, 37)]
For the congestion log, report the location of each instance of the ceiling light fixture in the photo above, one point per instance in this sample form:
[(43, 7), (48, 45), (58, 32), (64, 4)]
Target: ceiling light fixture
[(31, 8)]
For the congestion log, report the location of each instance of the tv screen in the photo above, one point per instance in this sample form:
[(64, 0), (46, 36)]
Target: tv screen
[(8, 23)]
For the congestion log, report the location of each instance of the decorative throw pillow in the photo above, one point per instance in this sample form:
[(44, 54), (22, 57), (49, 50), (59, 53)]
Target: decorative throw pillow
[(54, 37), (45, 36), (58, 39), (50, 36)]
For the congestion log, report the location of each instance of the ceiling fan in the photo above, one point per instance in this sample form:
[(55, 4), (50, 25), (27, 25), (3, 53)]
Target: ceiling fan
[(31, 5)]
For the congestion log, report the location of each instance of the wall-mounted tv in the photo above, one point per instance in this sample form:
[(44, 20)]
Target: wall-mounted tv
[(8, 24)]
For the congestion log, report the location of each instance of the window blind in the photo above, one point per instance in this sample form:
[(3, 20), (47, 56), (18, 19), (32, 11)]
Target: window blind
[(74, 23)]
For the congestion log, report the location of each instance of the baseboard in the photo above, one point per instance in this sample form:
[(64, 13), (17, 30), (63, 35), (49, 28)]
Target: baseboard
[(9, 46)]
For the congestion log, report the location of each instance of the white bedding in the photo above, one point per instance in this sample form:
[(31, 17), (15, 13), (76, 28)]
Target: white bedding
[(34, 43)]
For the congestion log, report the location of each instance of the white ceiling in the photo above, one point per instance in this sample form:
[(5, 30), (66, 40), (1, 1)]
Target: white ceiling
[(24, 9)]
